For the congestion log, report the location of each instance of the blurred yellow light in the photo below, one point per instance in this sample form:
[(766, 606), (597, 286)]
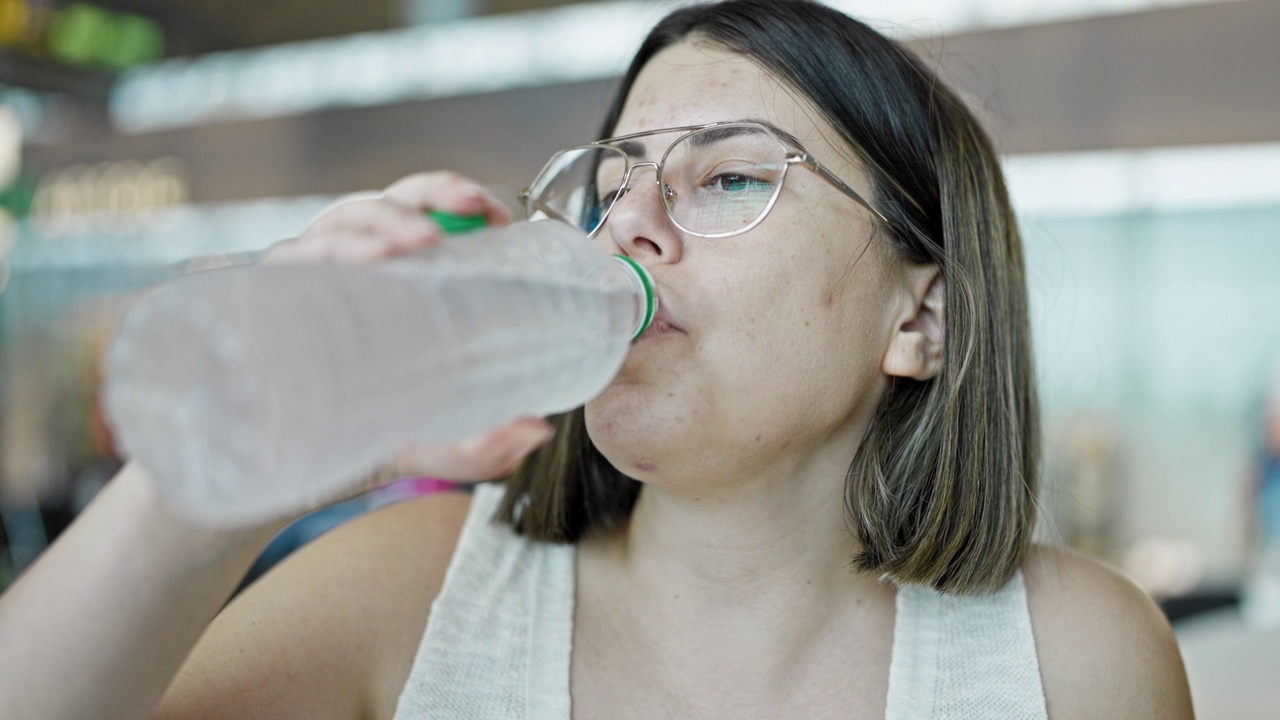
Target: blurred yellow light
[(15, 17)]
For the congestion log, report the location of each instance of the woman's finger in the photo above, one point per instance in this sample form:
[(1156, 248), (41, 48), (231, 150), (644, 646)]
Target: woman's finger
[(326, 215), (369, 226), (450, 192), (377, 217), (367, 233), (481, 457)]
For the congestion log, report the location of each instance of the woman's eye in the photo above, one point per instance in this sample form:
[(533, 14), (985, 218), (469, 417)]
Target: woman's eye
[(607, 196), (737, 183)]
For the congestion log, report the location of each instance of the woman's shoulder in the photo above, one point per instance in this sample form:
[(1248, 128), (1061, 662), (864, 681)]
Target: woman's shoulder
[(400, 554), (1105, 648), (391, 564), (421, 531), (335, 624), (401, 550)]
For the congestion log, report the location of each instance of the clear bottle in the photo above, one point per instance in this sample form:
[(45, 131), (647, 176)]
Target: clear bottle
[(256, 392)]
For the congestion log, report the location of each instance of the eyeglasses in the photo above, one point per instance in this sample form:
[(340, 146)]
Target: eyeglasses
[(715, 180)]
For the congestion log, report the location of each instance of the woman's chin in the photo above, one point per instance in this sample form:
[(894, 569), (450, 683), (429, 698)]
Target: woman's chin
[(633, 437)]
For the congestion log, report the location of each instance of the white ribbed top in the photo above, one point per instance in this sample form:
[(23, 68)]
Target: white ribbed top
[(960, 657), (500, 634)]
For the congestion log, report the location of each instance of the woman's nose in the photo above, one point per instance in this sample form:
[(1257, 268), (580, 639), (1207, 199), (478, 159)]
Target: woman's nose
[(638, 224)]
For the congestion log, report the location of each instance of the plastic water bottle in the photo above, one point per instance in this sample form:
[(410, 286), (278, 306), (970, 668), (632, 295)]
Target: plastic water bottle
[(253, 393)]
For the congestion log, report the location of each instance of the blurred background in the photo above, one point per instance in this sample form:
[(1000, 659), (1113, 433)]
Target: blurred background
[(1142, 147)]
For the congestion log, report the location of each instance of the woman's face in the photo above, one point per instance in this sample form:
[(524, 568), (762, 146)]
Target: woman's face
[(771, 362)]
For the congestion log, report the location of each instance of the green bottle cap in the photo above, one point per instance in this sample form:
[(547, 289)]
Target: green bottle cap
[(454, 224)]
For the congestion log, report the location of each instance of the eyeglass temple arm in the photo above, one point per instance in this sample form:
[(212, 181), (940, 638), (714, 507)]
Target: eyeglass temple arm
[(825, 174), (531, 205)]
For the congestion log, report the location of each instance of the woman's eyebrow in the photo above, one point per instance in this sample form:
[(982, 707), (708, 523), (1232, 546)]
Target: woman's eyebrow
[(634, 150), (786, 136)]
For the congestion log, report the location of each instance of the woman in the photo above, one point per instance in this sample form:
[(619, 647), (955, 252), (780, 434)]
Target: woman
[(809, 493)]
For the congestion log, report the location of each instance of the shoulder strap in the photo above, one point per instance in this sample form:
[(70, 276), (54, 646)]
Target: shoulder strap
[(967, 656), (498, 640)]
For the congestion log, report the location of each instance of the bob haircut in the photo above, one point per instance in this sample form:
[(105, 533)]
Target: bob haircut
[(942, 490)]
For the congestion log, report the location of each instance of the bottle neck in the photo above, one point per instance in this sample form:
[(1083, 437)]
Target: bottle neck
[(646, 293)]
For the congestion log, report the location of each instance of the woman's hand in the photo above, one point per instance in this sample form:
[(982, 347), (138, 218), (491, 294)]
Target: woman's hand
[(379, 226)]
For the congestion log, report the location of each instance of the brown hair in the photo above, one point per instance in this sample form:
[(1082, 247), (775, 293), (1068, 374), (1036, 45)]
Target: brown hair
[(942, 489)]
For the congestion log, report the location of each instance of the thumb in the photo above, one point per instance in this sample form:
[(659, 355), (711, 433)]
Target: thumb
[(485, 456)]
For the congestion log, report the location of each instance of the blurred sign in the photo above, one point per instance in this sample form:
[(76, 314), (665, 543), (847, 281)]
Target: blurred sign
[(113, 196)]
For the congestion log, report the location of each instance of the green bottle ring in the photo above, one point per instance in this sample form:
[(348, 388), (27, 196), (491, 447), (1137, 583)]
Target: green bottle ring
[(454, 224), (650, 295)]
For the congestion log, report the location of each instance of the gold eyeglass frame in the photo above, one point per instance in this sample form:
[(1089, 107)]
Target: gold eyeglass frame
[(797, 156)]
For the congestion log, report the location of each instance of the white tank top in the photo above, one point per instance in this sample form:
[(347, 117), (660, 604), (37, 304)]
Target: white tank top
[(499, 637)]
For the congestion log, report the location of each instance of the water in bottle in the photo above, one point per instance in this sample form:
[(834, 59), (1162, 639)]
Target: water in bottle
[(253, 393)]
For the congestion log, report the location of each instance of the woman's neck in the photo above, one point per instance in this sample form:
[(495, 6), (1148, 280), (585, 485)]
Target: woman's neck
[(735, 589), (734, 538), (754, 547)]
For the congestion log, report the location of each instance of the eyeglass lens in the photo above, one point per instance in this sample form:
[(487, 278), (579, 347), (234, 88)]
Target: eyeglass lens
[(719, 180)]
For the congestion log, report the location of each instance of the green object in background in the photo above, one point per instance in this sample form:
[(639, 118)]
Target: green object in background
[(80, 33), (17, 198), (455, 224), (83, 34), (137, 40)]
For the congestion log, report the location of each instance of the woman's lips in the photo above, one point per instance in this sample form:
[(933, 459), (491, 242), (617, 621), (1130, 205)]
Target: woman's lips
[(658, 327), (663, 324)]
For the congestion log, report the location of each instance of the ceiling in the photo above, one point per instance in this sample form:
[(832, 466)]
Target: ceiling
[(196, 27), (1181, 76), (200, 26)]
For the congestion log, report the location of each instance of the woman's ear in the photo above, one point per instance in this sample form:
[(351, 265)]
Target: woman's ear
[(916, 349)]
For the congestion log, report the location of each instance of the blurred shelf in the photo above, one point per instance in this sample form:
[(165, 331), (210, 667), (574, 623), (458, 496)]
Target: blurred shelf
[(1202, 601), (25, 71)]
